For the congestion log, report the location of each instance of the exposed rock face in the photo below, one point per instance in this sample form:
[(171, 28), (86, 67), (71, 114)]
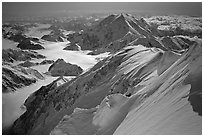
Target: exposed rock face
[(47, 62), (15, 31), (29, 44), (11, 55), (19, 37), (53, 36), (27, 64), (17, 77), (73, 46), (122, 28), (167, 60), (171, 43), (149, 42), (61, 68)]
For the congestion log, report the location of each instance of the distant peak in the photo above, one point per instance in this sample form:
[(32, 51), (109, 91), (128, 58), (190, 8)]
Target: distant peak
[(122, 15)]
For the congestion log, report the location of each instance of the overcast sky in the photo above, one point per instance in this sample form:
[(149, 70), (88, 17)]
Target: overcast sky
[(51, 8)]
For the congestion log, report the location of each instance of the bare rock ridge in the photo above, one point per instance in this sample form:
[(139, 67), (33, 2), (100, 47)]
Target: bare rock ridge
[(28, 64), (53, 36), (11, 55), (112, 28), (17, 77), (73, 46), (29, 44), (61, 68), (46, 62), (116, 31), (14, 77)]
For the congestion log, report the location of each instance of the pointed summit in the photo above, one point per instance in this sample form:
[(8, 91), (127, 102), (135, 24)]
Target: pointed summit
[(113, 28), (107, 20)]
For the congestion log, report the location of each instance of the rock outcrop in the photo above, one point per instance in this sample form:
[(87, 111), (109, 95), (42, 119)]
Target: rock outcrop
[(17, 77), (47, 62), (28, 64), (61, 68), (73, 46), (53, 36), (113, 30), (149, 42), (11, 55), (28, 44)]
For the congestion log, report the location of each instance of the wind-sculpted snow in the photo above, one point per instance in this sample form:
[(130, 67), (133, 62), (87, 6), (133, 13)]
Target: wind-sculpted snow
[(160, 107), (166, 109), (100, 120)]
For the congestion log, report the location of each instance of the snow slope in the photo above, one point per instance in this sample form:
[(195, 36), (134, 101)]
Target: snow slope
[(160, 106), (167, 110)]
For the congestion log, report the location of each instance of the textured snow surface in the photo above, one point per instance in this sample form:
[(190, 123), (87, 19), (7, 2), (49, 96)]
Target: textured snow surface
[(159, 106), (167, 110)]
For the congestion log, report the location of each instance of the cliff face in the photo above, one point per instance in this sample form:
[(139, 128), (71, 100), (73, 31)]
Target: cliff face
[(61, 68), (17, 77), (11, 55), (14, 77), (29, 44), (54, 36)]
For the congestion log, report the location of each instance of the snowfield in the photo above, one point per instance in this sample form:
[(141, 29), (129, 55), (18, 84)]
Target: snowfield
[(54, 51)]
